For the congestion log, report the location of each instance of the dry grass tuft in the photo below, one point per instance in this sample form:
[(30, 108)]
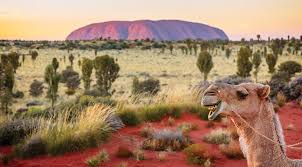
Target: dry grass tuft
[(232, 150), (218, 136)]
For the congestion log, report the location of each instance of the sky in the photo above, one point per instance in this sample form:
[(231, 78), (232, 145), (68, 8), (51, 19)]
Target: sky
[(55, 19)]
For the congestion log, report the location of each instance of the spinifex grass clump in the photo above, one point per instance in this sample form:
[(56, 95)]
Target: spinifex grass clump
[(218, 136), (96, 160), (198, 154), (92, 127), (231, 150), (166, 140)]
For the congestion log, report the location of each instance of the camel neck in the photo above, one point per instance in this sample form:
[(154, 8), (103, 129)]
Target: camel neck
[(261, 151)]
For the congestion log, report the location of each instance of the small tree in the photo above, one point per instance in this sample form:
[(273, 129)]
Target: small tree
[(205, 63), (106, 72), (291, 67), (52, 79), (271, 61), (55, 64), (195, 48), (34, 54), (71, 58), (171, 48), (87, 67), (256, 62), (227, 52), (258, 37), (244, 65), (36, 88)]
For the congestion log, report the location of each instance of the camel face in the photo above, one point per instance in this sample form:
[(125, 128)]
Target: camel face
[(226, 99)]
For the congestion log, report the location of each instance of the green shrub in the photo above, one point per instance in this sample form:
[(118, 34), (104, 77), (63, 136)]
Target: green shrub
[(153, 113), (124, 152), (12, 132), (218, 136), (18, 95), (291, 67), (197, 154), (96, 160), (147, 131), (34, 147), (166, 139), (129, 117), (150, 86), (35, 112)]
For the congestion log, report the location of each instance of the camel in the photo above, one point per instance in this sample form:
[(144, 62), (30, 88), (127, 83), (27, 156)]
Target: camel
[(260, 132)]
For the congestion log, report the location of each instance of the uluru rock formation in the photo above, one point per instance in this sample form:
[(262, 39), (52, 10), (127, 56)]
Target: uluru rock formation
[(143, 29)]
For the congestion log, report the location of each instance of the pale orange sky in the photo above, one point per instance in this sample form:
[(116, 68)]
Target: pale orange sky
[(55, 19)]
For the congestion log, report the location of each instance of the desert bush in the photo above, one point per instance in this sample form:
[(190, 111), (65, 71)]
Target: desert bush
[(166, 140), (294, 89), (67, 73), (232, 150), (36, 88), (34, 147), (18, 95), (281, 76), (124, 152), (218, 136), (12, 132), (186, 127), (72, 83), (291, 67), (197, 154), (147, 131), (149, 86), (90, 128), (129, 117), (280, 99), (96, 160), (233, 80)]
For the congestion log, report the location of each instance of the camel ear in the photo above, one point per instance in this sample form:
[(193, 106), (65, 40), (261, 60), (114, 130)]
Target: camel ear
[(264, 91)]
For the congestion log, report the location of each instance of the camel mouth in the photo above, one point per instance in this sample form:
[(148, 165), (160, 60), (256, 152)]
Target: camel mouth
[(213, 103), (214, 110)]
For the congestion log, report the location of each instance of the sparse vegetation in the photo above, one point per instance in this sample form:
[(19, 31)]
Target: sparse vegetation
[(197, 154), (218, 136), (162, 140)]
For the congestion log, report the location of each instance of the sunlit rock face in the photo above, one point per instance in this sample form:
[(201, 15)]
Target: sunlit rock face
[(143, 29)]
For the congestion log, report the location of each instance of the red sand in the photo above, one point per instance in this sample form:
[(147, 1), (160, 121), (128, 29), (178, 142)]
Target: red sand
[(289, 114)]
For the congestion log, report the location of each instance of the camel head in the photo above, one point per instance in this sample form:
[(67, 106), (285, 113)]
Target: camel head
[(226, 99)]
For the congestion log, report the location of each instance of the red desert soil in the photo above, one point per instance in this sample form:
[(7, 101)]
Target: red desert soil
[(129, 136)]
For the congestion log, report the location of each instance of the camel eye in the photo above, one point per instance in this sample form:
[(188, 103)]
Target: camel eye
[(241, 95)]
